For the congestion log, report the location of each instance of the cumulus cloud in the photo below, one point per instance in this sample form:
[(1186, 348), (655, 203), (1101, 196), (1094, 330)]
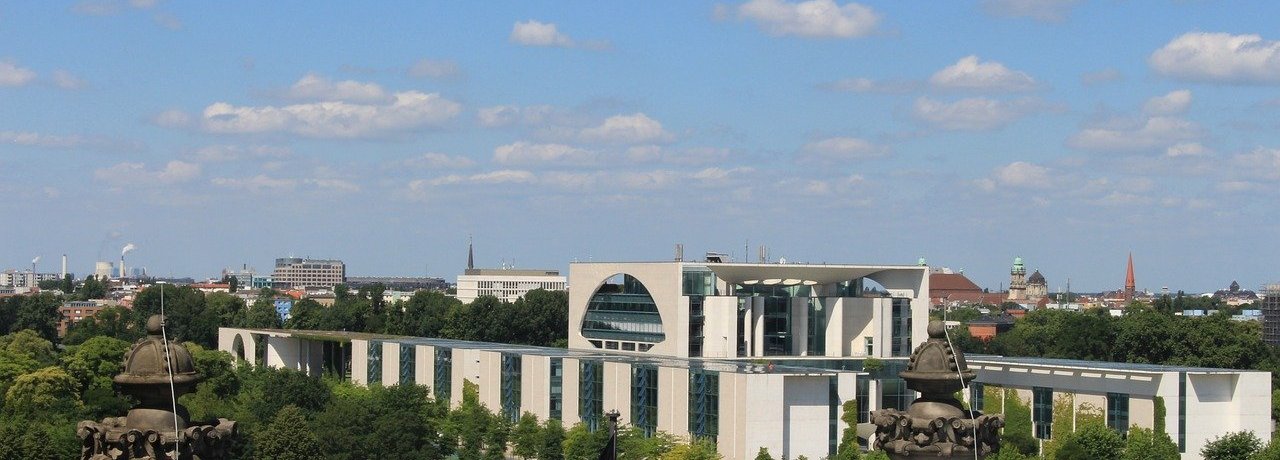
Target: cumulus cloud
[(312, 87), (1152, 133), (812, 18), (1174, 103), (66, 80), (1186, 149), (527, 153), (636, 128), (54, 141), (333, 119), (439, 161), (1261, 163), (137, 174), (430, 68), (12, 74), (681, 156), (506, 115), (1039, 10), (1019, 174), (972, 114), (840, 149), (224, 153), (1219, 57), (502, 176), (970, 73), (256, 184), (534, 33), (173, 118), (867, 85)]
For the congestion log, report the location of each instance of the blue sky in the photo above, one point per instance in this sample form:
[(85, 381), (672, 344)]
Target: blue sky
[(215, 134)]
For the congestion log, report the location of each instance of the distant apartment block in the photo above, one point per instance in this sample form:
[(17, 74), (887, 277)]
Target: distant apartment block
[(507, 284), (25, 278), (293, 272), (1271, 314), (78, 310), (399, 283)]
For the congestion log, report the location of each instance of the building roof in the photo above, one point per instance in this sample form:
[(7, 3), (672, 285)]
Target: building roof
[(1036, 278), (951, 282), (510, 272)]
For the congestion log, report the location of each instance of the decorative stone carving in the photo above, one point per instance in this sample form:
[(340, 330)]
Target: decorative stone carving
[(148, 431), (936, 424)]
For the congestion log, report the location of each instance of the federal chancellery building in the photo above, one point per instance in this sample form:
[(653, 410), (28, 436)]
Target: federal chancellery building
[(752, 355)]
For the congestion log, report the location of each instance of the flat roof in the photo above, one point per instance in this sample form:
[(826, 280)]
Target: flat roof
[(1095, 365), (787, 274)]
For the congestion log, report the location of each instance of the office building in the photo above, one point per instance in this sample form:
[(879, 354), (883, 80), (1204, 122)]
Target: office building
[(506, 284), (293, 272)]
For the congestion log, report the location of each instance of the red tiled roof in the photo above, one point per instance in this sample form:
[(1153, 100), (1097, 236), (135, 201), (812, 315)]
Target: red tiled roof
[(951, 282)]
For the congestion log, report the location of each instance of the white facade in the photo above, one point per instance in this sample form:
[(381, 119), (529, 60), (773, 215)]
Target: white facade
[(506, 284), (727, 310), (295, 272)]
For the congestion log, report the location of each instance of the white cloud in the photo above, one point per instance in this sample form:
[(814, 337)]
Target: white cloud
[(1021, 174), (256, 184), (972, 114), (222, 153), (534, 33), (627, 129), (430, 68), (137, 174), (867, 85), (1174, 103), (439, 161), (812, 18), (172, 119), (840, 149), (505, 115), (1107, 75), (1219, 57), (334, 185), (337, 119), (502, 176), (66, 80), (12, 74), (1040, 10), (1238, 186), (312, 87), (1261, 163), (1186, 149), (75, 141), (973, 74), (1154, 132), (527, 153)]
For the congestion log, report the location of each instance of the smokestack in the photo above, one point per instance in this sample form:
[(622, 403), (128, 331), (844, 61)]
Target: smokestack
[(123, 251), (64, 266)]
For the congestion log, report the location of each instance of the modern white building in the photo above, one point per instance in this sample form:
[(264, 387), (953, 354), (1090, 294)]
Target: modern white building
[(506, 284), (760, 355), (294, 272)]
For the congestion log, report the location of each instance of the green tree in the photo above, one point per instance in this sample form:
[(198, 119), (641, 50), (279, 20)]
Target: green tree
[(40, 313), (44, 393), (1270, 452), (92, 288), (580, 442), (696, 450), (552, 447), (263, 315), (763, 454), (41, 438), (876, 455), (1145, 444), (184, 308), (470, 424), (115, 322), (305, 314), (849, 448), (1239, 445), (1091, 441), (288, 438), (343, 427), (527, 436), (93, 364)]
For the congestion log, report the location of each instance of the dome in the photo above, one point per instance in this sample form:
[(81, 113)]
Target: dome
[(145, 364), (1017, 261), (1036, 278)]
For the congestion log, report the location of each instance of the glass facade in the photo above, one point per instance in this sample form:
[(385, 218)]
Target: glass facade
[(375, 362), (644, 398), (777, 326), (1042, 411), (894, 394), (1118, 412), (443, 377), (704, 404), (864, 402), (557, 388), (591, 393), (623, 312), (510, 386), (833, 415), (901, 318), (817, 327), (408, 364), (697, 323)]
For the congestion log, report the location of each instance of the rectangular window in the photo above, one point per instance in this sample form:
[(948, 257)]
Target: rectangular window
[(1042, 411), (704, 404), (591, 393), (375, 362), (644, 398), (408, 364), (444, 373), (510, 386), (557, 388), (901, 323), (894, 394), (863, 398), (976, 397), (1118, 412), (696, 325), (870, 346)]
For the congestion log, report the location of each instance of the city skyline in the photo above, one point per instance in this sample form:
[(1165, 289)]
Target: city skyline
[(1067, 133)]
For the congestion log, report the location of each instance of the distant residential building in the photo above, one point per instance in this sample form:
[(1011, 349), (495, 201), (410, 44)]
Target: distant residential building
[(25, 278), (77, 310), (507, 284), (399, 283), (987, 327), (950, 289), (293, 272), (1271, 314)]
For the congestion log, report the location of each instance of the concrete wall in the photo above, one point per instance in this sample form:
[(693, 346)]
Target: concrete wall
[(664, 285)]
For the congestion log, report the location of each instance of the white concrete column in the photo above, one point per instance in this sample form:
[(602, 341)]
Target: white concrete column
[(800, 326), (757, 330)]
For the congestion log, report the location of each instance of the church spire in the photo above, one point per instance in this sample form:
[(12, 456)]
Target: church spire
[(1129, 285), (471, 255)]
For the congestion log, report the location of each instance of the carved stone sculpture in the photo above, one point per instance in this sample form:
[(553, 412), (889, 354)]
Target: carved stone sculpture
[(936, 425), (148, 430)]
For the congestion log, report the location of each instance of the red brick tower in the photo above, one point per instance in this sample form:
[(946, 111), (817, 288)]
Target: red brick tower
[(1129, 285)]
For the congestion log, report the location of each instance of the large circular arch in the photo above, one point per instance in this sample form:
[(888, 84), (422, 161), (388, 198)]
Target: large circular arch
[(622, 315)]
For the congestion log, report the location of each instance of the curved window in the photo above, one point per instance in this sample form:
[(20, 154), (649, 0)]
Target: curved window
[(622, 309)]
